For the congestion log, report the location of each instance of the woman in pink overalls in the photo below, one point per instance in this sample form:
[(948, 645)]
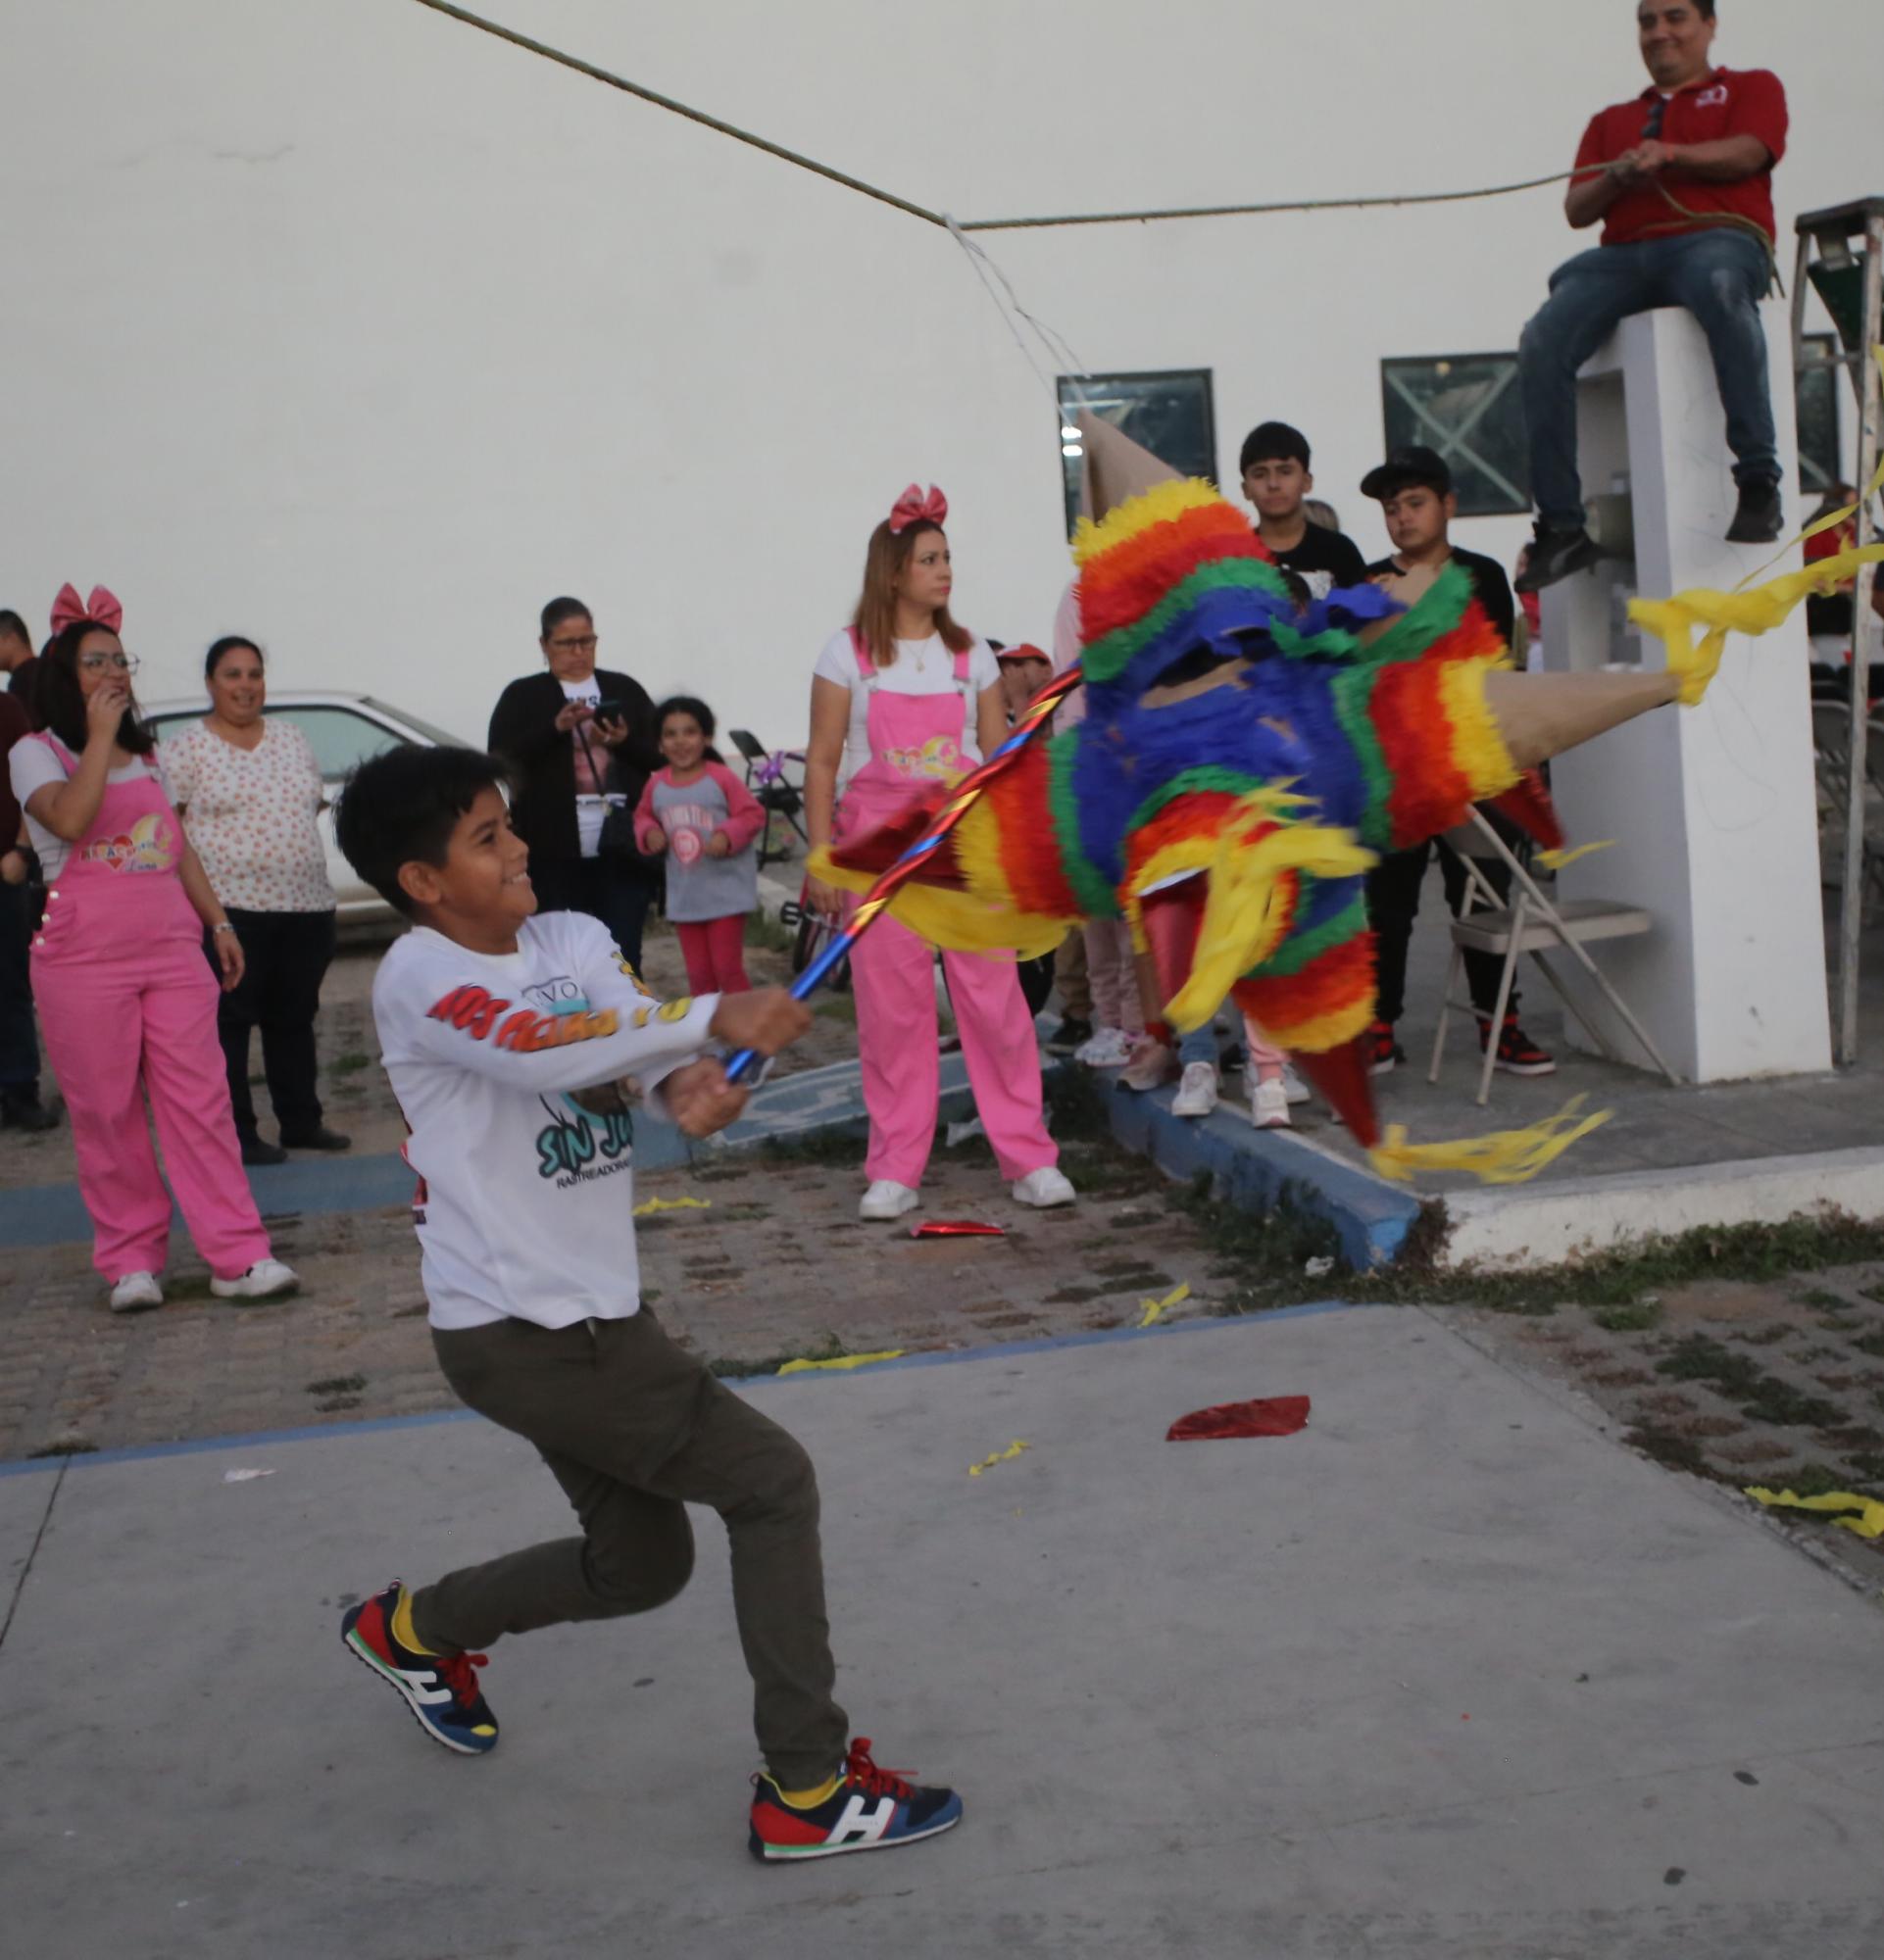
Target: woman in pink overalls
[(126, 1001), (901, 701)]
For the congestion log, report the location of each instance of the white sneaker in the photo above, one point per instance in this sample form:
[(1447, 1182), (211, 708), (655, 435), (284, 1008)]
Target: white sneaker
[(264, 1280), (1269, 1105), (1043, 1189), (1107, 1049), (1151, 1066), (1197, 1091), (135, 1292), (886, 1199), (1294, 1086)]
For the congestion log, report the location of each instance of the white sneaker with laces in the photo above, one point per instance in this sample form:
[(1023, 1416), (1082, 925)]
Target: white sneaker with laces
[(1107, 1049), (1294, 1087), (886, 1199), (1043, 1189), (1197, 1091), (265, 1280), (1269, 1105), (135, 1292)]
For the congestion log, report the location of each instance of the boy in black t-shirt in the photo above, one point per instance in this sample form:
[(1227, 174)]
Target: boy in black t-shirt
[(1274, 465), (1414, 490)]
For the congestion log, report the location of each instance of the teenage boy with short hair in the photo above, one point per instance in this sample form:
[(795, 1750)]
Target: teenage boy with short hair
[(509, 1040), (1414, 490), (1276, 480)]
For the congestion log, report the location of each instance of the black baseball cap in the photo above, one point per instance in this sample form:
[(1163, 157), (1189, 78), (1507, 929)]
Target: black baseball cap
[(1411, 464), (1268, 441)]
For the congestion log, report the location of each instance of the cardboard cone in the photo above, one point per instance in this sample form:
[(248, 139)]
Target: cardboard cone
[(1540, 716), (1116, 469)]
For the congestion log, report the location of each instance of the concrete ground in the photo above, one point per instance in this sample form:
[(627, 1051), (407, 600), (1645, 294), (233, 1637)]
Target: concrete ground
[(1396, 1686)]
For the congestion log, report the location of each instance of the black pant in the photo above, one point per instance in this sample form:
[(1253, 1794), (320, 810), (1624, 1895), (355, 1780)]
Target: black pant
[(18, 1045), (1393, 903), (286, 956), (602, 887)]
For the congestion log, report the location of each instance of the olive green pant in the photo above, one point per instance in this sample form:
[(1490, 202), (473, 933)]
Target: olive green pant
[(634, 1431)]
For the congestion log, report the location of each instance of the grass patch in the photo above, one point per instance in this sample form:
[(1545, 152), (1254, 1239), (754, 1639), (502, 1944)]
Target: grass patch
[(1823, 1299), (767, 933), (1869, 1343), (350, 1063), (729, 1367), (1674, 1452), (1635, 1319), (337, 1385), (66, 1446), (1760, 1396), (821, 1146)]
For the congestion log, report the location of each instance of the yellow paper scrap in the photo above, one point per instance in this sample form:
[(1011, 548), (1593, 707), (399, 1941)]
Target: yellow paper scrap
[(1869, 1522), (1155, 1308), (1006, 1455), (1554, 860), (841, 1362), (654, 1205)]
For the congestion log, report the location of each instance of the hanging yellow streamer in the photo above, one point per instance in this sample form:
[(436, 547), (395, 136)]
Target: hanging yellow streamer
[(1869, 1523), (1154, 1309), (1555, 861), (842, 1363), (1006, 1455), (654, 1205), (1506, 1156)]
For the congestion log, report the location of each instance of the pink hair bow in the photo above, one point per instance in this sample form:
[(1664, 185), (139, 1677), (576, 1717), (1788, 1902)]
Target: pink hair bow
[(100, 609), (913, 508)]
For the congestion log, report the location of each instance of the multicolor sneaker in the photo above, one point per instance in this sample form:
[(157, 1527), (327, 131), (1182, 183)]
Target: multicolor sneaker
[(869, 1810), (1384, 1054), (440, 1690), (1517, 1053)]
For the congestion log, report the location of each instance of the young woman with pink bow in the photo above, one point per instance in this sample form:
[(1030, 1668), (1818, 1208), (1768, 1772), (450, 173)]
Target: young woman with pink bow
[(901, 700), (126, 1000)]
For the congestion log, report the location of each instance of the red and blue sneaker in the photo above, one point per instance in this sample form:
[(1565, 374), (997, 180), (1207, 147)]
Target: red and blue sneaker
[(869, 1810), (440, 1690)]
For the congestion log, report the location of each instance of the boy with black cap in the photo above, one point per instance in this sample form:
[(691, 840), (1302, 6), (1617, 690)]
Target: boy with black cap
[(1414, 490), (1275, 466)]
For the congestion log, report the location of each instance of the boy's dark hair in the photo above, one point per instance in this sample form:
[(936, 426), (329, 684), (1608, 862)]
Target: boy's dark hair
[(559, 610), (13, 628), (1268, 441), (59, 701), (685, 704), (403, 806), (227, 644)]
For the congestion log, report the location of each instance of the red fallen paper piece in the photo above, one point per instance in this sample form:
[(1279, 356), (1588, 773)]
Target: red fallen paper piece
[(956, 1228), (1272, 1415)]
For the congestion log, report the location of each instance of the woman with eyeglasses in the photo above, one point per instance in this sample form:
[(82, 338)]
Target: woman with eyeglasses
[(579, 739), (125, 1003)]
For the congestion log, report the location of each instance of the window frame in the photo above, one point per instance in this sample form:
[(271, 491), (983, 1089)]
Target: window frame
[(1070, 389), (1520, 493)]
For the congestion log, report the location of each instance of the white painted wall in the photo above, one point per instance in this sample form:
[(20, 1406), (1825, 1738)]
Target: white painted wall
[(335, 321)]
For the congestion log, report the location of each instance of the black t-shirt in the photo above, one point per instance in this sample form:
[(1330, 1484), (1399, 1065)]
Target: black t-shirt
[(1322, 560), (1489, 583)]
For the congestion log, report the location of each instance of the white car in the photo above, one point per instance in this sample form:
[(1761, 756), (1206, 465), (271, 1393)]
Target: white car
[(344, 730)]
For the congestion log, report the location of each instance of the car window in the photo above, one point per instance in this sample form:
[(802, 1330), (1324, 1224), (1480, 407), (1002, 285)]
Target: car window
[(341, 738), (440, 738)]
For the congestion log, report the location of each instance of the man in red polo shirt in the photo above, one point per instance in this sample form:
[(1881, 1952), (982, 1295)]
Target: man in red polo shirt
[(1705, 139)]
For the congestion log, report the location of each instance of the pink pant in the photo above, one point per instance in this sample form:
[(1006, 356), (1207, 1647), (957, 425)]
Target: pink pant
[(1267, 1061), (715, 951), (896, 1036), (1112, 970), (120, 1022)]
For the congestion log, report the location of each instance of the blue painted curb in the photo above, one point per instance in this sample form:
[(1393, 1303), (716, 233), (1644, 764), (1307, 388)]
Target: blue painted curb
[(1258, 1168)]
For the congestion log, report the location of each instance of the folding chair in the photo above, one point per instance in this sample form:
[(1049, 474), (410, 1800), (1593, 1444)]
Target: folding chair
[(772, 791), (1533, 924)]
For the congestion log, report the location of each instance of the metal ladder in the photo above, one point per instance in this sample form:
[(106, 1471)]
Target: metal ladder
[(1851, 284)]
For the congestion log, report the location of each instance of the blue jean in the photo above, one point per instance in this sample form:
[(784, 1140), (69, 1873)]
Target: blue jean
[(1200, 1045), (1719, 276)]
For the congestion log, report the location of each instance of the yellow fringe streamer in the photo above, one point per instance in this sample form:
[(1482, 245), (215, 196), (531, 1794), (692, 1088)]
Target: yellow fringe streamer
[(654, 1205), (1016, 1449), (840, 1365), (1152, 1311), (1869, 1522), (1478, 748), (1242, 923), (1722, 613), (1507, 1156), (1555, 861), (1156, 506), (956, 921)]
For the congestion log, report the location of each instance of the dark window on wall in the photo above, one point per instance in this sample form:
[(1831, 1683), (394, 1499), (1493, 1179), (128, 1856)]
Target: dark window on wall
[(1820, 465), (1466, 407), (1170, 413)]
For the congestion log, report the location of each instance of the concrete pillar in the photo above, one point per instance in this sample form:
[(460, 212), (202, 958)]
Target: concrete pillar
[(1711, 809)]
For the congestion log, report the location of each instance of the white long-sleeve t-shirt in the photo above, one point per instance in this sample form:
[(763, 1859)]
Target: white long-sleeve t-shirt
[(526, 1198)]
